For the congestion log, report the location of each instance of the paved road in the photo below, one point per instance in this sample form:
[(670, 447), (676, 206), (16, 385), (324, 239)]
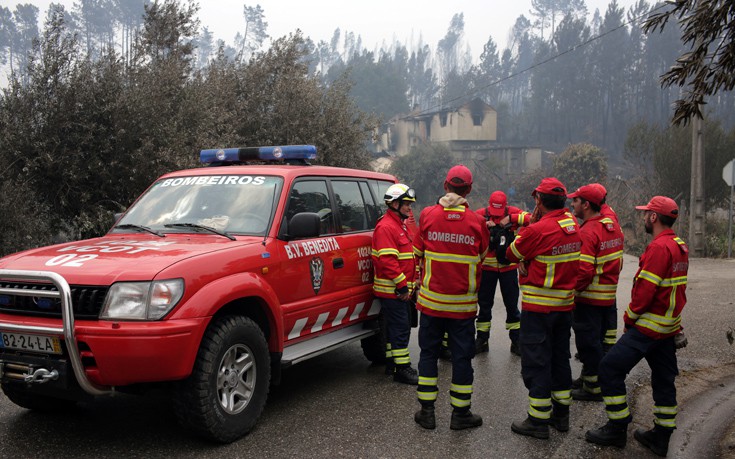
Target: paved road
[(338, 405)]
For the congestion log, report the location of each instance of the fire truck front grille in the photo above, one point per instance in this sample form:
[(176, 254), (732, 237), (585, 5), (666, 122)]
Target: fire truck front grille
[(86, 301)]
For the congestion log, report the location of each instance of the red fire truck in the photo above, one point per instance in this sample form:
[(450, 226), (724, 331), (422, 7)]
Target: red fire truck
[(214, 280)]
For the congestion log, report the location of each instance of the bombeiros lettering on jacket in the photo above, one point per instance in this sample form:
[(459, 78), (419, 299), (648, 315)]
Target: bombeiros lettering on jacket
[(566, 248), (315, 247), (680, 267), (611, 244), (451, 237)]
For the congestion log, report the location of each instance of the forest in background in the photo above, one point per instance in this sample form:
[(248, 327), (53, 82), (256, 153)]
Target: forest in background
[(106, 96)]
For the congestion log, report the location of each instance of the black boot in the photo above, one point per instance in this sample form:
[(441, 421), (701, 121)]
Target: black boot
[(583, 394), (425, 417), (406, 375), (515, 348), (481, 344), (464, 420), (656, 439), (578, 383), (610, 434), (560, 417), (531, 428)]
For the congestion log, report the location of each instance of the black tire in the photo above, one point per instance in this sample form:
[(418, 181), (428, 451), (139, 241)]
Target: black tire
[(36, 402), (225, 394), (374, 346)]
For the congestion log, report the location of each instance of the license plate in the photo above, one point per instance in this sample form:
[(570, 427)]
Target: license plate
[(32, 343)]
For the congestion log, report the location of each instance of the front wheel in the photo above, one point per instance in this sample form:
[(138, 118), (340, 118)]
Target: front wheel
[(225, 394)]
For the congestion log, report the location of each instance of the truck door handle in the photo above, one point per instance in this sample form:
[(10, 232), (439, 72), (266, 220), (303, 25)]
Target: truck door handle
[(338, 263)]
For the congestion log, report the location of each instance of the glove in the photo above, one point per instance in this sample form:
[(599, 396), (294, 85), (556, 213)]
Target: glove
[(680, 341)]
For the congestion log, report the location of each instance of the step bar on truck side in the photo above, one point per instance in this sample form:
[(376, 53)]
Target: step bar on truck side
[(63, 292)]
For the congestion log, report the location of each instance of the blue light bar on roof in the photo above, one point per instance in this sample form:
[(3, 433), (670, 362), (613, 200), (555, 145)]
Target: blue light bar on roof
[(238, 155)]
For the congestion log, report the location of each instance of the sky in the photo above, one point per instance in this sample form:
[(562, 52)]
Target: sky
[(375, 21)]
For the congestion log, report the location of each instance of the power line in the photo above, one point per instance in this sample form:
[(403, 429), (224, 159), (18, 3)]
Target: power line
[(538, 64)]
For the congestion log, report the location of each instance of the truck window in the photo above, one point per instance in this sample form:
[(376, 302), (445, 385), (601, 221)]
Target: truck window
[(312, 196), (350, 205)]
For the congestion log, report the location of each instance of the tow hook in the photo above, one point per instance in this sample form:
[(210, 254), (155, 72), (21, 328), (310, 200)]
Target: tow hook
[(27, 373)]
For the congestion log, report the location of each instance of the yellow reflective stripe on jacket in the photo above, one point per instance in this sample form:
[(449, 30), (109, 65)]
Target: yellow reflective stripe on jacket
[(659, 324), (453, 307), (547, 296), (452, 257), (596, 291), (417, 252), (566, 222), (674, 281), (455, 209), (650, 277), (405, 256), (387, 251), (387, 285), (587, 258), (563, 258), (610, 257), (448, 298)]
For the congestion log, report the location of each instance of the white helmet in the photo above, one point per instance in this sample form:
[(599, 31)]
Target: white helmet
[(399, 192)]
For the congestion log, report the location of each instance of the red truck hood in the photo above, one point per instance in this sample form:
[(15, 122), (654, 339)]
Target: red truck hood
[(125, 257)]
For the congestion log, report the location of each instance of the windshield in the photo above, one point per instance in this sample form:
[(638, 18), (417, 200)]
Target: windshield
[(239, 204)]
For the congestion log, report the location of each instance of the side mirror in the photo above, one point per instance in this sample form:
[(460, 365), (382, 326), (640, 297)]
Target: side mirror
[(304, 225)]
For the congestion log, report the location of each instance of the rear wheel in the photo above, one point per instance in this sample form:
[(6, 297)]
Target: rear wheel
[(226, 392), (31, 401)]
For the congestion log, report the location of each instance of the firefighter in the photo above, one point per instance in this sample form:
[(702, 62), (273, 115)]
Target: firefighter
[(393, 283), (600, 263), (610, 324), (502, 220), (548, 251), (451, 243), (652, 320)]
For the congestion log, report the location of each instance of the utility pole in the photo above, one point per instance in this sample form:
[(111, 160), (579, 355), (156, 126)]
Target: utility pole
[(696, 200)]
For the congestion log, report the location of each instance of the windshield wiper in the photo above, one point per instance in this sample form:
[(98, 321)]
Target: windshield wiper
[(140, 227), (204, 227)]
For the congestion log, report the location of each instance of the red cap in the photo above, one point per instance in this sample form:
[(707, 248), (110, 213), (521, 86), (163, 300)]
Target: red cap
[(591, 193), (551, 185), (661, 205), (459, 175), (602, 188), (497, 204)]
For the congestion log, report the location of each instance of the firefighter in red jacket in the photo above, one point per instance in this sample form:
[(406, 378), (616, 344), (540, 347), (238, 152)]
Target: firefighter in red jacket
[(451, 243), (549, 252), (600, 263), (393, 282), (610, 323), (652, 320), (502, 220)]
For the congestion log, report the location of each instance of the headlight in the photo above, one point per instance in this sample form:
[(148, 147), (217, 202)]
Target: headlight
[(142, 300)]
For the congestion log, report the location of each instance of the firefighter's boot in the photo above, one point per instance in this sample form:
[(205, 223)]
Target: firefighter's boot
[(531, 428), (515, 344), (481, 344), (464, 420), (425, 417), (560, 417), (406, 374), (656, 439), (585, 395), (611, 434)]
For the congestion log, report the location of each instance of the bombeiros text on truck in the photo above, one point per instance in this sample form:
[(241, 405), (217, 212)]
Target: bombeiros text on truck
[(214, 280)]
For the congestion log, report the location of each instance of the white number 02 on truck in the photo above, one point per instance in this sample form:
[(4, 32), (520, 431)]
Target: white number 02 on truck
[(214, 280)]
